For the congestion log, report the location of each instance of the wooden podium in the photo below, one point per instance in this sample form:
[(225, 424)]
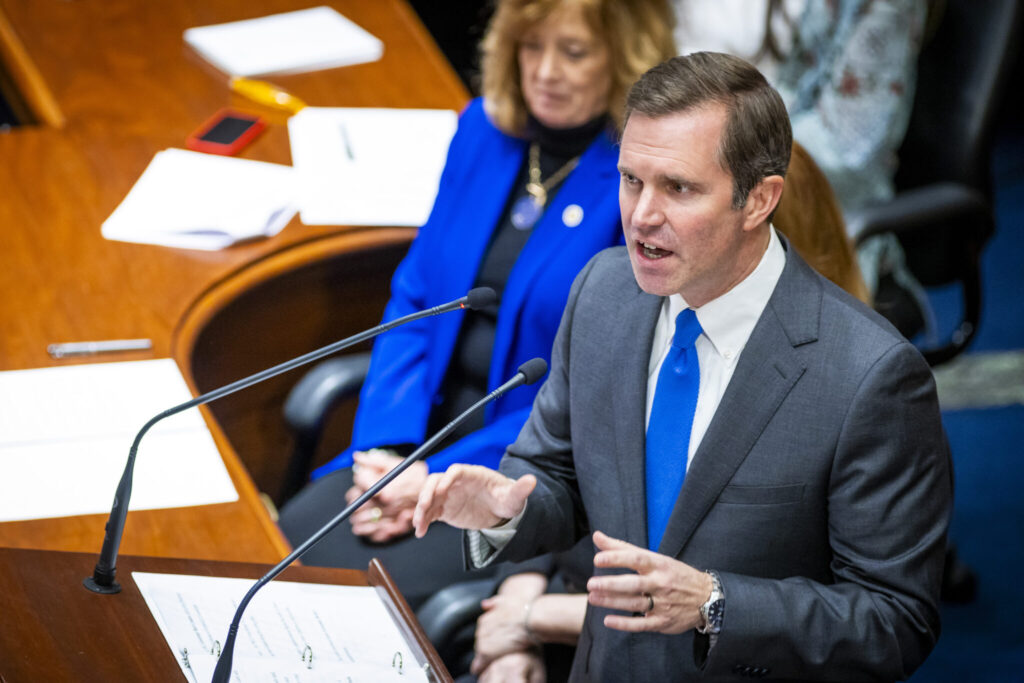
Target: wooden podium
[(53, 629)]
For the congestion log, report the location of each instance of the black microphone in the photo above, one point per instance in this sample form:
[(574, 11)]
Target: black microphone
[(103, 577), (528, 373)]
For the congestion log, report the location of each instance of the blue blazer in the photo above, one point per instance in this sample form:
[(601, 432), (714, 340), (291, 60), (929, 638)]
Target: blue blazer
[(409, 363)]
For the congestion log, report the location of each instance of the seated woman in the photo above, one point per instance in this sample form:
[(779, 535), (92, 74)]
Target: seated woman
[(528, 194), (540, 606)]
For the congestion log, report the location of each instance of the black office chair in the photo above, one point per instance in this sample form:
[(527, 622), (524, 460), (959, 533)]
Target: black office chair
[(306, 409), (448, 619), (942, 212)]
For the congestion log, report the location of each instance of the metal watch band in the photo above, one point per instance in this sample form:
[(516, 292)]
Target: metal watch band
[(712, 611)]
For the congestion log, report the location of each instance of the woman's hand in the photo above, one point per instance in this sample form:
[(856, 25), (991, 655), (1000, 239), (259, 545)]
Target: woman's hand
[(525, 667), (400, 494), (389, 514), (373, 525), (502, 628)]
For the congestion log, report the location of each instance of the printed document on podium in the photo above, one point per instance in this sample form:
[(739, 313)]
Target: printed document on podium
[(289, 632)]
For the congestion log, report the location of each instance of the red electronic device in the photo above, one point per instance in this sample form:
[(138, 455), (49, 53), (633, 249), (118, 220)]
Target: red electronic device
[(226, 133)]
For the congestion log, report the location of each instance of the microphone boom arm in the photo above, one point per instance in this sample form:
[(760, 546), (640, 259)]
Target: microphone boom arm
[(103, 579), (529, 372)]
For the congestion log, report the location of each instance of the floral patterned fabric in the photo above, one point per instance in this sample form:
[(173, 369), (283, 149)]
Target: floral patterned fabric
[(849, 88)]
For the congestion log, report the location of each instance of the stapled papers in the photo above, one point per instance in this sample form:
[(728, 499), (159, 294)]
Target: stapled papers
[(193, 200)]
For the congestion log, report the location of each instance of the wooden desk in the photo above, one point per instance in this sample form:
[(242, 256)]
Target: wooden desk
[(59, 631), (128, 86)]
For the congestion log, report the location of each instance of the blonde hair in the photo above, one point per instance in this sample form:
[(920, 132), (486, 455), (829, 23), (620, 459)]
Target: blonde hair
[(808, 214), (638, 34)]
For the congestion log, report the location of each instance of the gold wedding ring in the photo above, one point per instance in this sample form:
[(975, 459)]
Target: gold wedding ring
[(376, 514)]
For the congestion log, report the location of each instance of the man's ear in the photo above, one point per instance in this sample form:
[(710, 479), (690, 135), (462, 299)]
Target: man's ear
[(762, 200)]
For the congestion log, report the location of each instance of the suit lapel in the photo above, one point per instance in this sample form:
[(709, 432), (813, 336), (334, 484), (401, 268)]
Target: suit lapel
[(628, 387), (767, 370)]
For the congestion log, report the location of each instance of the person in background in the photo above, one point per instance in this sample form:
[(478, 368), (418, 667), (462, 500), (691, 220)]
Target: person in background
[(539, 607), (527, 196), (810, 217), (846, 71)]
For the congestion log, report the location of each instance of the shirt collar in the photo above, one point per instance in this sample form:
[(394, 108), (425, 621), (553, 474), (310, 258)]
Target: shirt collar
[(729, 320)]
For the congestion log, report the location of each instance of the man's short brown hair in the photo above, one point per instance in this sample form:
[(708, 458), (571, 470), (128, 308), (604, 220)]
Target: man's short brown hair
[(758, 137)]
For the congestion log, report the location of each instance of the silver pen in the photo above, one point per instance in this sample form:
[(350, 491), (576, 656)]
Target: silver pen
[(95, 347), (345, 141)]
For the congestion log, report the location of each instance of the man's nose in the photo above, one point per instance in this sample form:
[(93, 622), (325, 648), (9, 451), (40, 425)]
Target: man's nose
[(647, 213)]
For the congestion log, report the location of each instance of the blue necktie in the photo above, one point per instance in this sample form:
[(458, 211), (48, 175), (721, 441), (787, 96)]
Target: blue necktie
[(668, 430)]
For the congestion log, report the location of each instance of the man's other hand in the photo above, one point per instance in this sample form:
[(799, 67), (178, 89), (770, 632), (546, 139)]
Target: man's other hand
[(675, 589)]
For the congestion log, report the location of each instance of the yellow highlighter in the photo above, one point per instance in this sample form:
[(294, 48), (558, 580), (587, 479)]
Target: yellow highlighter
[(266, 93)]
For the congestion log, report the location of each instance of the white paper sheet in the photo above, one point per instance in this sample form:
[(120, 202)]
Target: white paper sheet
[(292, 42), (65, 433), (202, 201), (346, 630), (369, 166)]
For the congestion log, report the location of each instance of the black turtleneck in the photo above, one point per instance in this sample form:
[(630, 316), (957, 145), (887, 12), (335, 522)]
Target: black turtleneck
[(465, 381)]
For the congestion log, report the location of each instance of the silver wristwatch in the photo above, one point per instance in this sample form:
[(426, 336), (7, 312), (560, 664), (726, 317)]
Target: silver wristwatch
[(712, 611)]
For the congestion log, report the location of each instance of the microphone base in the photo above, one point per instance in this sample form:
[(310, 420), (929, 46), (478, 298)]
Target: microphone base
[(91, 584)]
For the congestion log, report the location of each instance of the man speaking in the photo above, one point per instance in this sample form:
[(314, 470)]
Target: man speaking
[(759, 457)]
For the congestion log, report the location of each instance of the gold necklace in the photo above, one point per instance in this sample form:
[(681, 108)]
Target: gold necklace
[(527, 210), (537, 189)]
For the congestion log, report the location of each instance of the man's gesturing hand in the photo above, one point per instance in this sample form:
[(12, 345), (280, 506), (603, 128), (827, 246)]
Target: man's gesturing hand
[(470, 497), (676, 590)]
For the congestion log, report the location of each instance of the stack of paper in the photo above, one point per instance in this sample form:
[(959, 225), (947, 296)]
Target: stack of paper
[(306, 40), (204, 201), (290, 632), (369, 166), (65, 433)]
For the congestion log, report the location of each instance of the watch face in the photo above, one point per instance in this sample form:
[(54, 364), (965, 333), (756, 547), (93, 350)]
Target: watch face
[(715, 612)]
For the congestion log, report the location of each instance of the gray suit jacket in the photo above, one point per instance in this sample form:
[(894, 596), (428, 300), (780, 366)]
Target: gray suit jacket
[(821, 492)]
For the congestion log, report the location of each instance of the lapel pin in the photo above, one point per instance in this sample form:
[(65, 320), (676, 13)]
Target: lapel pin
[(572, 215)]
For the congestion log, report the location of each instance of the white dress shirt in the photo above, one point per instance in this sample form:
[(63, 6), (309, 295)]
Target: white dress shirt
[(727, 323)]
